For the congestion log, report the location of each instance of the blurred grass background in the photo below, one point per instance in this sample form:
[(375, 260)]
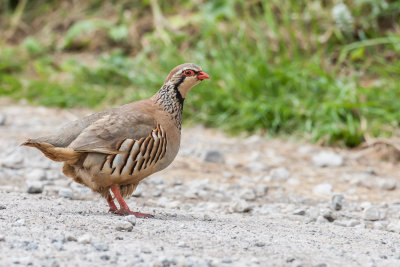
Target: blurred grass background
[(326, 71)]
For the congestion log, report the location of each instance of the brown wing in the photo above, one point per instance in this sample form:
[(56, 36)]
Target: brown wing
[(135, 155), (105, 134)]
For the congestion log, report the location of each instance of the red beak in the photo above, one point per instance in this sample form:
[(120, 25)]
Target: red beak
[(202, 75)]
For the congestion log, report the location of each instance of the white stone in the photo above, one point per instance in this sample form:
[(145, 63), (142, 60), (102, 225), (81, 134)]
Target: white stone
[(36, 175), (248, 194), (85, 239), (239, 206), (279, 174), (327, 159), (123, 226), (66, 193), (34, 187), (393, 227), (256, 166), (131, 219), (372, 214), (323, 190)]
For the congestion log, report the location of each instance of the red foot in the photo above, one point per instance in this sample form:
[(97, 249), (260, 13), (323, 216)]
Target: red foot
[(111, 203), (125, 212)]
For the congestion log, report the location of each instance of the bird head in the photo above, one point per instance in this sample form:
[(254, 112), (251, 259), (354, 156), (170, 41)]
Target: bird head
[(185, 76)]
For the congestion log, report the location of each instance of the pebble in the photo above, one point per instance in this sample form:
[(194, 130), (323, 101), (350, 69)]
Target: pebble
[(353, 223), (85, 239), (327, 214), (207, 217), (138, 191), (3, 119), (337, 201), (2, 237), (2, 207), (34, 187), (386, 183), (300, 211), (256, 166), (69, 237), (323, 189), (279, 174), (100, 246), (182, 244), (248, 194), (145, 250), (19, 222), (261, 190), (66, 193), (37, 175), (131, 219), (327, 159), (372, 214), (394, 227), (239, 205), (214, 156), (259, 244), (124, 226)]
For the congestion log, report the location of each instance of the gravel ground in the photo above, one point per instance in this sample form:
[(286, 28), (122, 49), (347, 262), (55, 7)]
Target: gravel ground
[(224, 201)]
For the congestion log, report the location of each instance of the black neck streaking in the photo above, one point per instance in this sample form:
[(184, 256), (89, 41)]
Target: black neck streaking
[(171, 100)]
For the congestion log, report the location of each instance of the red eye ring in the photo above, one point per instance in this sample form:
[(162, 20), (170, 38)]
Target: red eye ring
[(188, 73)]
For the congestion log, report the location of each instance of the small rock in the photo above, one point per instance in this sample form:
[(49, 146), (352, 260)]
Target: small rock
[(300, 211), (372, 214), (327, 159), (2, 238), (393, 227), (259, 244), (66, 193), (239, 205), (352, 223), (380, 225), (19, 222), (227, 175), (261, 190), (248, 194), (138, 191), (279, 174), (100, 246), (85, 239), (105, 257), (69, 237), (131, 219), (226, 261), (386, 183), (157, 193), (182, 244), (207, 217), (337, 201), (256, 166), (2, 207), (123, 226), (321, 220), (34, 187), (3, 119), (145, 250), (214, 156), (37, 175), (327, 214), (293, 181), (323, 189)]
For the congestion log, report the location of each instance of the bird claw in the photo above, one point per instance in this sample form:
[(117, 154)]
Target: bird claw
[(124, 212)]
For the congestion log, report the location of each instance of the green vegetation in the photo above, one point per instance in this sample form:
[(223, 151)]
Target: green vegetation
[(326, 70)]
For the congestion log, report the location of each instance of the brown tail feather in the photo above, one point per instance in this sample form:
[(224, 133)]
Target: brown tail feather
[(54, 153)]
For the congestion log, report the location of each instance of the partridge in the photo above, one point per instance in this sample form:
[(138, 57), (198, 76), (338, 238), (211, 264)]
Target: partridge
[(115, 149)]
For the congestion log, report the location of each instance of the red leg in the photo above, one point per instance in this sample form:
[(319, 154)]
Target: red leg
[(124, 209), (111, 203)]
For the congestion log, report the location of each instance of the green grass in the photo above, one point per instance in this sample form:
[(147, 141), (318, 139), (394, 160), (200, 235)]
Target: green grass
[(277, 67)]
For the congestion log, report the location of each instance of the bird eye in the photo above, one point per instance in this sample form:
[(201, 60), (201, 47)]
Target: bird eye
[(188, 73)]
